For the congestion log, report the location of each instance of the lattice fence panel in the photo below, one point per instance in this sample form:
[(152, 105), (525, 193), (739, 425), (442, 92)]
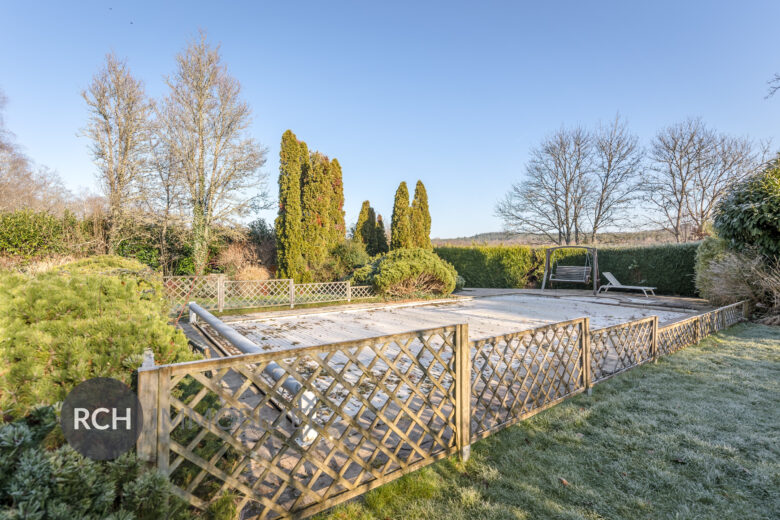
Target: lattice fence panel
[(256, 293), (618, 348), (183, 289), (362, 291), (708, 323), (732, 314), (320, 292), (517, 374), (380, 407), (678, 335)]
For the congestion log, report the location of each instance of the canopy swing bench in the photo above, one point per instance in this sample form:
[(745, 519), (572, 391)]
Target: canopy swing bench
[(573, 273)]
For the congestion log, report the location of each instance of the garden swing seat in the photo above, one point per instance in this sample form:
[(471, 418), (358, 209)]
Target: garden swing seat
[(571, 273), (583, 274)]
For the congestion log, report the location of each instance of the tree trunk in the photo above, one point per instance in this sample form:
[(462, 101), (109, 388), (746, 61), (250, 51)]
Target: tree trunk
[(200, 246)]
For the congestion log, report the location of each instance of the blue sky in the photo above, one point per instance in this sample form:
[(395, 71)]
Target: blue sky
[(451, 93)]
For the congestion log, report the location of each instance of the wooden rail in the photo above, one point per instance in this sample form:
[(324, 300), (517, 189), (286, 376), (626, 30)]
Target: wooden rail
[(385, 406)]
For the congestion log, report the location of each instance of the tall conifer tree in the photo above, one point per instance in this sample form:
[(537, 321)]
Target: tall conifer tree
[(338, 227), (316, 191), (421, 218), (289, 239), (400, 225), (380, 236), (361, 222), (365, 229)]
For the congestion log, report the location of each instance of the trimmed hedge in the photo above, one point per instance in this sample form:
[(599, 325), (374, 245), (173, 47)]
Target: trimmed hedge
[(669, 267), (28, 234)]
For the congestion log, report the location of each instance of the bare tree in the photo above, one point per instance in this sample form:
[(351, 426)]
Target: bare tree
[(616, 166), (22, 183), (691, 167), (118, 127), (732, 159), (774, 86), (677, 153), (552, 199), (163, 188), (205, 126)]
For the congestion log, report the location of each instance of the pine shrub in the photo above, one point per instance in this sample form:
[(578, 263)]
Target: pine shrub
[(89, 318), (36, 483), (408, 272)]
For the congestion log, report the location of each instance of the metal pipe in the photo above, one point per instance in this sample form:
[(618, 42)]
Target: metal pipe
[(272, 369)]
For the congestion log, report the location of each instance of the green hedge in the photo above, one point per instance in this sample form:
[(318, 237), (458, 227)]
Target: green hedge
[(28, 234), (670, 268)]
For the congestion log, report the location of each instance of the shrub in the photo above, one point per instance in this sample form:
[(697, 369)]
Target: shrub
[(460, 283), (669, 267), (86, 319), (406, 272), (37, 483), (749, 216), (350, 254), (726, 276), (709, 250)]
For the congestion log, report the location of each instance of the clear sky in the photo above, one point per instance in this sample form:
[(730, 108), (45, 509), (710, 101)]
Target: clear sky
[(453, 94)]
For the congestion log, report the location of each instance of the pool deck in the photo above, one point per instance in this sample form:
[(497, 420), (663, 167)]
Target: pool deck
[(488, 312)]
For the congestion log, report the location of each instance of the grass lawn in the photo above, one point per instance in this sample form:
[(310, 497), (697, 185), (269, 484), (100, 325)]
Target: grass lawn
[(695, 436)]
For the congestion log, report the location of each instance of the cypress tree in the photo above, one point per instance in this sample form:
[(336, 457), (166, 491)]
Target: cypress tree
[(421, 218), (369, 231), (316, 190), (361, 223), (400, 232), (289, 239), (337, 225), (380, 236), (365, 229)]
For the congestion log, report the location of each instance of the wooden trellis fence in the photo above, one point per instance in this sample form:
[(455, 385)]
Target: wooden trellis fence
[(216, 292), (384, 406)]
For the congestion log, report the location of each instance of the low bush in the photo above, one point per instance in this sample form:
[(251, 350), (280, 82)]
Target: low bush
[(89, 318), (725, 276), (39, 483), (408, 272), (709, 250), (350, 255), (670, 267)]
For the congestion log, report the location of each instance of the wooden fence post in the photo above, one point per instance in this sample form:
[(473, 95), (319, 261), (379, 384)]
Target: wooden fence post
[(654, 343), (221, 292), (746, 310), (292, 293), (463, 391), (146, 445), (585, 348), (163, 419), (349, 291)]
